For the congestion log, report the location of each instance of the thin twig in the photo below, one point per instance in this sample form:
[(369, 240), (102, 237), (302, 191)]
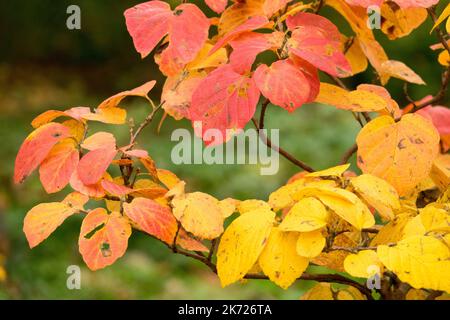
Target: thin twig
[(145, 123), (260, 126), (348, 154)]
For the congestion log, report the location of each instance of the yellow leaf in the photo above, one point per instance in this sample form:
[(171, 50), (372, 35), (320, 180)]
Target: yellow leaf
[(356, 57), (334, 171), (350, 293), (401, 71), (445, 14), (344, 203), (321, 291), (430, 219), (440, 171), (308, 214), (279, 259), (283, 197), (362, 264), (199, 214), (108, 115), (335, 259), (378, 193), (444, 57), (399, 152), (357, 100), (238, 13), (393, 231), (251, 205), (43, 219), (310, 244), (141, 91), (399, 22), (421, 261), (357, 18), (241, 244), (204, 60), (416, 294), (228, 206)]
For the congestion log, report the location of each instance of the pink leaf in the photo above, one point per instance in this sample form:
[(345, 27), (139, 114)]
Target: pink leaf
[(283, 83), (316, 40), (224, 100)]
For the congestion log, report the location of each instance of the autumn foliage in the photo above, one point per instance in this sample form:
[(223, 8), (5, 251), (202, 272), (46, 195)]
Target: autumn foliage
[(393, 218)]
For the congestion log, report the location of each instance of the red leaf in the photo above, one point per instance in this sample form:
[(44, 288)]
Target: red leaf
[(153, 218), (247, 46), (115, 189), (94, 190), (217, 5), (253, 23), (440, 116), (224, 100), (103, 238), (316, 40), (36, 147), (147, 24), (58, 166), (283, 83), (94, 164), (187, 27)]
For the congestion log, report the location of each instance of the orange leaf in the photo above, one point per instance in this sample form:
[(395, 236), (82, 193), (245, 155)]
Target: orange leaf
[(284, 84), (217, 5), (99, 140), (94, 190), (153, 218), (115, 189), (103, 238), (50, 115), (141, 91), (400, 152), (36, 147), (58, 166), (43, 219), (94, 164), (317, 40)]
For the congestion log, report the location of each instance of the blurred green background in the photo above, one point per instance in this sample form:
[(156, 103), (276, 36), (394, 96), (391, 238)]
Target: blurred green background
[(44, 66)]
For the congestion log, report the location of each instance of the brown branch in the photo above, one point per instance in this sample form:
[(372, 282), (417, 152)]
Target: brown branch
[(330, 278), (347, 155), (441, 93), (145, 123), (445, 80)]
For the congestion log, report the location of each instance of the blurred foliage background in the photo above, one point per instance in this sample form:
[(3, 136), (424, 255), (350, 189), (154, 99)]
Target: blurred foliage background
[(44, 65)]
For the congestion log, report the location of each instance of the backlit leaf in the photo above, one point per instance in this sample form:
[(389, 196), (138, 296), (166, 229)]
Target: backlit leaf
[(224, 100), (36, 147), (199, 214), (421, 261), (279, 259), (316, 40), (57, 168), (399, 152), (308, 214), (153, 218), (310, 244), (242, 243), (93, 164), (103, 238), (378, 193), (43, 219), (283, 84)]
